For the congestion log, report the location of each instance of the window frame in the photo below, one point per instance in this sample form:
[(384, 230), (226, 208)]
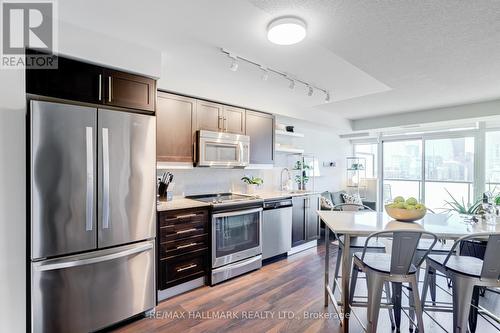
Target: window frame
[(479, 135)]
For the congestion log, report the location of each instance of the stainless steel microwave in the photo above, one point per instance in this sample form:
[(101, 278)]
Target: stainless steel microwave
[(222, 150)]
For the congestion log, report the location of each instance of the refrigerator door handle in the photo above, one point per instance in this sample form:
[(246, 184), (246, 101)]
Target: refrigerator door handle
[(90, 180), (105, 178), (40, 267)]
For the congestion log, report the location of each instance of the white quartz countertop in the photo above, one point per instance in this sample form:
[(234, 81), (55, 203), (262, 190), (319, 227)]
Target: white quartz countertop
[(283, 194), (184, 203), (179, 203), (363, 223)]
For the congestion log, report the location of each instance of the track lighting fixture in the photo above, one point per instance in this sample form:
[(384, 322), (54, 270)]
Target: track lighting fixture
[(310, 91), (265, 71)]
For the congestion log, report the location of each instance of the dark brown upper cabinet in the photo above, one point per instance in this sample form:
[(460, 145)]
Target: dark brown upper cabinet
[(220, 118), (260, 129), (209, 116), (234, 120), (72, 80), (129, 90), (83, 82), (175, 116)]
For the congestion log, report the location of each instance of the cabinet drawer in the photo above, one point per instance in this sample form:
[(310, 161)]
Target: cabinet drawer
[(188, 265), (183, 217), (181, 246), (180, 231)]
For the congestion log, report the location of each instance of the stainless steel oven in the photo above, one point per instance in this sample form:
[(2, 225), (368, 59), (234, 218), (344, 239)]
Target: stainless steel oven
[(236, 243), (222, 150)]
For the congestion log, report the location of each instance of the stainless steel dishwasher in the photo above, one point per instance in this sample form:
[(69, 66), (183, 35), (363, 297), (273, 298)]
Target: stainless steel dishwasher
[(276, 227)]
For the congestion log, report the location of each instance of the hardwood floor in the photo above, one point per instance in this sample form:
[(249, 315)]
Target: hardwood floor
[(276, 298)]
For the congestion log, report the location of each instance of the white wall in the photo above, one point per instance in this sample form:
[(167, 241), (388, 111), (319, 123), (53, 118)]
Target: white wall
[(78, 43), (108, 51), (322, 142), (12, 201)]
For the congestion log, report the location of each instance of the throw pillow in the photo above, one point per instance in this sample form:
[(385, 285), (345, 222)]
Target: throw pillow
[(352, 199), (326, 204)]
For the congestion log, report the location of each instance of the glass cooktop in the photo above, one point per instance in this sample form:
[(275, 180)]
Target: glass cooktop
[(221, 197)]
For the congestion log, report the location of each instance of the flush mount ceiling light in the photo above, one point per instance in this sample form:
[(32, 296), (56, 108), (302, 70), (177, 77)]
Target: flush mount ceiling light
[(286, 30)]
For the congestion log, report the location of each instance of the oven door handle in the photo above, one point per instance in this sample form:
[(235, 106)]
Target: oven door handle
[(238, 212)]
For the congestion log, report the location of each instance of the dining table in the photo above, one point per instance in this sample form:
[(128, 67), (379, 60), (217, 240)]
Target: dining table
[(363, 223)]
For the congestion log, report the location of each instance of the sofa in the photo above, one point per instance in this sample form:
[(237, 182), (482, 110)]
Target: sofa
[(336, 198)]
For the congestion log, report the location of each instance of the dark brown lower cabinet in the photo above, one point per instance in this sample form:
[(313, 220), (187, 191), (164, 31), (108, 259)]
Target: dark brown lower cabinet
[(305, 221), (182, 246)]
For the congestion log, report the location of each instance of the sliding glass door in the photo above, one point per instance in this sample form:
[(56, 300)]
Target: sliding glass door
[(428, 168), (492, 159), (402, 169), (449, 169)]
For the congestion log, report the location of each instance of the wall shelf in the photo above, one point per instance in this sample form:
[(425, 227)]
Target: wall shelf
[(289, 150), (285, 133)]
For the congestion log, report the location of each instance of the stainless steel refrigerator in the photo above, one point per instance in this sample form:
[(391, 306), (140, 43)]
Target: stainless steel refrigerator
[(92, 225)]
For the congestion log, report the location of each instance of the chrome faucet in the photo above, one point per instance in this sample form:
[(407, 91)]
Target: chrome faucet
[(284, 187)]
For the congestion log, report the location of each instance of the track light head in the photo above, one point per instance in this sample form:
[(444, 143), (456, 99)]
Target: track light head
[(327, 97), (234, 64), (292, 84), (265, 73), (310, 91)]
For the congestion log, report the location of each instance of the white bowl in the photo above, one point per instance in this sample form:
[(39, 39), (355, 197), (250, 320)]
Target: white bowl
[(405, 215)]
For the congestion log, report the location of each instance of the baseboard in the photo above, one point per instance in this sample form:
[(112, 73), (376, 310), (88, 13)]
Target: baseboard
[(303, 247), (181, 288)]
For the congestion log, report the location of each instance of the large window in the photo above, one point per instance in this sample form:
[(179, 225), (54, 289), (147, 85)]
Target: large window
[(402, 174), (449, 167), (492, 159)]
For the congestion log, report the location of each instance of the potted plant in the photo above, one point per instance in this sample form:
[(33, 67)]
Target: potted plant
[(301, 179), (461, 208), (252, 183)]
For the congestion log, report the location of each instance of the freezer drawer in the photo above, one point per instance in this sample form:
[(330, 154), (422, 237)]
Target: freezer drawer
[(84, 293)]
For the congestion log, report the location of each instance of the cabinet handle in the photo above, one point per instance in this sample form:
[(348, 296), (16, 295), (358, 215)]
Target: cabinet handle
[(225, 124), (186, 245), (186, 231), (187, 267), (100, 87), (185, 216), (109, 89), (219, 125)]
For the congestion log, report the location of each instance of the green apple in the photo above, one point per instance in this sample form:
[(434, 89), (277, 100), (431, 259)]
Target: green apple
[(420, 206), (400, 205), (399, 199), (411, 201)]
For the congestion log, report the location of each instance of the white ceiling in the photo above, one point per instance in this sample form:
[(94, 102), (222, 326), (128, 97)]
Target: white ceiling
[(377, 57)]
